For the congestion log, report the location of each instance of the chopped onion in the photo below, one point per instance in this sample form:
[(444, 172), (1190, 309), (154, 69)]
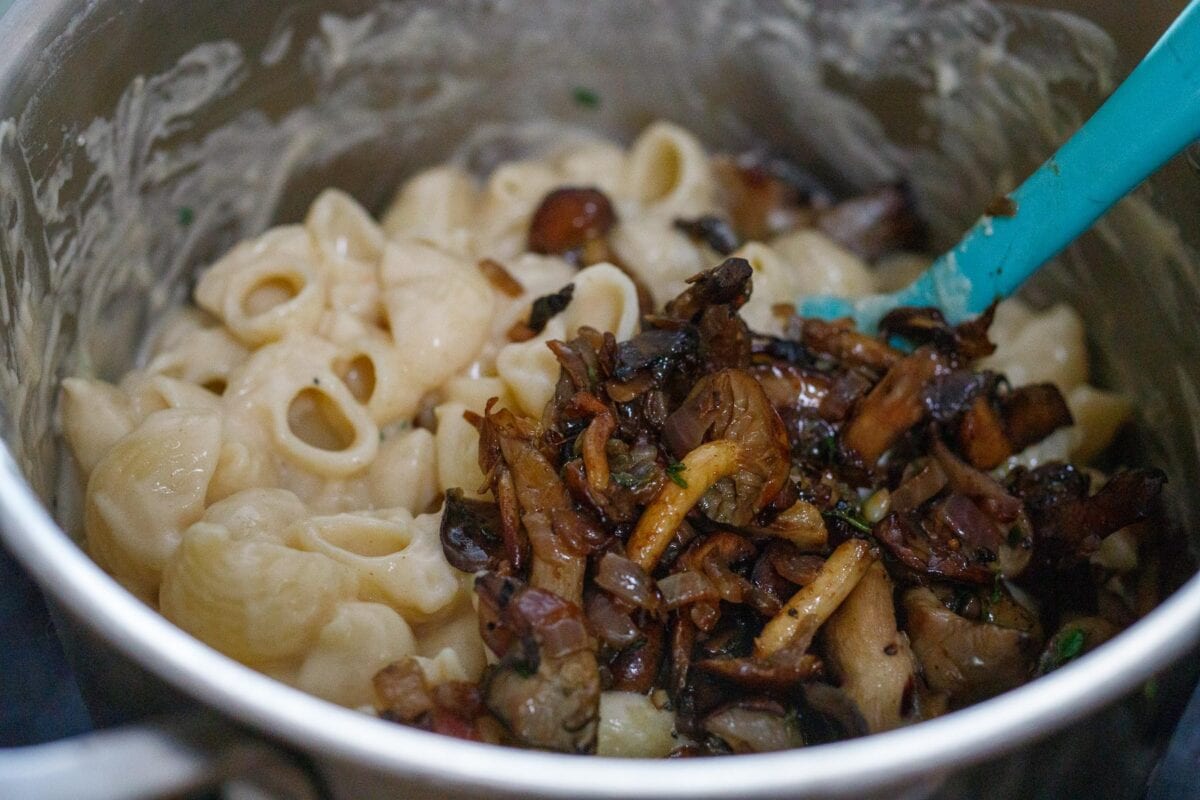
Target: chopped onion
[(610, 623), (628, 581), (563, 637), (686, 587), (754, 730)]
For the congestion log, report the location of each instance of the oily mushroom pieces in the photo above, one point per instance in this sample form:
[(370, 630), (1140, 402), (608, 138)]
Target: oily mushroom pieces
[(770, 540), (808, 609), (968, 661), (893, 407), (868, 655), (730, 405), (546, 687)]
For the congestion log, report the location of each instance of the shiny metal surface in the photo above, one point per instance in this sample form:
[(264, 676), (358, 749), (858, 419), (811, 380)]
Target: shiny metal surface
[(64, 64)]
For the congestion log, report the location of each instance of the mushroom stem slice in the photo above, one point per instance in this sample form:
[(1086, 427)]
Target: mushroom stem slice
[(701, 468), (870, 657), (808, 608)]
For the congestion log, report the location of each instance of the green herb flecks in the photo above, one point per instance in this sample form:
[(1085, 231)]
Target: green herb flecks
[(585, 97), (186, 215), (1063, 647), (851, 520), (1069, 645), (675, 472)]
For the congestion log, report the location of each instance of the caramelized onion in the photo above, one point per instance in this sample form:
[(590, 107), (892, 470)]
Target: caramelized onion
[(685, 588), (628, 581)]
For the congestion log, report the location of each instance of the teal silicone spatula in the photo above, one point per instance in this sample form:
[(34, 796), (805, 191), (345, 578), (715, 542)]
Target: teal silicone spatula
[(1151, 116)]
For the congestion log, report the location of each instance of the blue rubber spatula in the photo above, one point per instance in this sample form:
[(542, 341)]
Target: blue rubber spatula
[(1153, 115)]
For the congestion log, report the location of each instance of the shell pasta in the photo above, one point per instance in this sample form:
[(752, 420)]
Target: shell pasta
[(322, 460)]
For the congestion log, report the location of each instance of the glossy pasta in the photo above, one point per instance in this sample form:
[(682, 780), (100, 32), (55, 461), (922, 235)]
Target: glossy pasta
[(272, 478)]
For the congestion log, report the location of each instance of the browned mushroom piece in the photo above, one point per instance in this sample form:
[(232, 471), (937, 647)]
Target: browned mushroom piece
[(868, 655), (546, 687), (1069, 523), (559, 534), (842, 341), (893, 407), (1010, 538), (730, 405), (470, 533), (1074, 638), (968, 661), (725, 284), (568, 219), (964, 342), (1033, 412)]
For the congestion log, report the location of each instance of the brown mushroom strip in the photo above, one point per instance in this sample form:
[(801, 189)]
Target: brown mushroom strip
[(546, 687), (923, 484), (801, 524), (808, 608), (731, 405), (968, 661), (870, 657), (637, 666), (981, 436), (702, 467), (892, 407), (594, 439), (840, 340), (780, 673), (554, 568), (1031, 413), (559, 534)]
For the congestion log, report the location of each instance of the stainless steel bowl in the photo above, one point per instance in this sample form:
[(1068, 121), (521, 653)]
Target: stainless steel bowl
[(138, 140)]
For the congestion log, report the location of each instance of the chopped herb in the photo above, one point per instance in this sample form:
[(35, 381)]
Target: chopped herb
[(524, 670), (1150, 690), (186, 215), (546, 307), (995, 598), (829, 447), (1069, 645), (585, 97), (675, 472), (850, 514), (1014, 537), (637, 645)]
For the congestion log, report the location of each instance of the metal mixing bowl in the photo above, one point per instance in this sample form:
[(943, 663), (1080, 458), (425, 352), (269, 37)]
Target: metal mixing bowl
[(140, 139)]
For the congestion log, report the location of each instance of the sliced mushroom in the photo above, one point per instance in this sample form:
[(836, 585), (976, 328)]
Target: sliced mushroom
[(808, 609), (546, 687), (868, 655), (893, 407), (731, 405), (968, 661), (701, 468)]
